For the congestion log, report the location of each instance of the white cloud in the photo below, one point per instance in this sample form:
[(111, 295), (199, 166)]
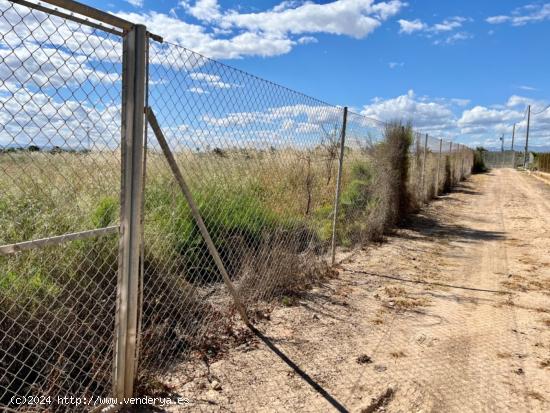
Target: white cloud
[(354, 18), (198, 90), (522, 101), (482, 117), (497, 19), (30, 117), (411, 26), (47, 66), (287, 4), (210, 80), (485, 123), (196, 38), (450, 118), (135, 3), (393, 65), (307, 40), (229, 34), (429, 116), (206, 10), (446, 26), (314, 114), (19, 27), (459, 102), (531, 13), (527, 88), (454, 38)]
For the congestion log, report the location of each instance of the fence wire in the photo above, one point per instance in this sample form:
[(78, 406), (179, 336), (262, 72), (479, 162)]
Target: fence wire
[(60, 174), (543, 162), (261, 162), (503, 159)]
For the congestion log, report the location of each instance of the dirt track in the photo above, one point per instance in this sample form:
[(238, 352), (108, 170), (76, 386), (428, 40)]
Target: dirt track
[(452, 314)]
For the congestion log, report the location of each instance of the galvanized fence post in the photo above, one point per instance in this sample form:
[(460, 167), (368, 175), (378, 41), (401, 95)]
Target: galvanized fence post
[(338, 184), (463, 154), (424, 157), (451, 164), (132, 154), (437, 186)]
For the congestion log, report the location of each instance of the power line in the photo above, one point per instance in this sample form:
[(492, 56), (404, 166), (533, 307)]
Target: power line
[(544, 110)]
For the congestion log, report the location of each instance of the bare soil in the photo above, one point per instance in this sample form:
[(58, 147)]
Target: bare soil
[(451, 314)]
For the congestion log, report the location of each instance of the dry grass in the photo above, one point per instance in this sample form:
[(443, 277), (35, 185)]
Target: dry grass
[(535, 395), (269, 214), (398, 354)]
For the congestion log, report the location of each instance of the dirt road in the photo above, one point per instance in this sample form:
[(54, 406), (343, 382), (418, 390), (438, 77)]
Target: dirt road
[(452, 314)]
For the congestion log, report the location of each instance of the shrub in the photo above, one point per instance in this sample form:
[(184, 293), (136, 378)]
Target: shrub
[(390, 191), (448, 182), (479, 163), (106, 212)]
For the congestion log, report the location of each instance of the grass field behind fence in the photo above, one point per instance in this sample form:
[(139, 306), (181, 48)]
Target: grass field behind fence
[(269, 213)]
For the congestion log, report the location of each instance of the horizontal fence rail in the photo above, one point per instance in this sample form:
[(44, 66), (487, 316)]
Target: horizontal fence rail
[(150, 196), (60, 239)]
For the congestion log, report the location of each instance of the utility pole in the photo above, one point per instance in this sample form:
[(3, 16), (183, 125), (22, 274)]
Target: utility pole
[(513, 151), (526, 158)]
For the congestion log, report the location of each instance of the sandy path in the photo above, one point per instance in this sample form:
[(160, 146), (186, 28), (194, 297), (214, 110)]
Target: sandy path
[(452, 314)]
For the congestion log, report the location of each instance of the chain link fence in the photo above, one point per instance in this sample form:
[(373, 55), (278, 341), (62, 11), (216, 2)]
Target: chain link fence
[(542, 161), (503, 159), (60, 85), (121, 257)]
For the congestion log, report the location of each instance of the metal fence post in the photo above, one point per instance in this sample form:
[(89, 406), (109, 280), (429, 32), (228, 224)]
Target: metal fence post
[(462, 152), (132, 153), (437, 186), (338, 183), (526, 157), (451, 163), (424, 166)]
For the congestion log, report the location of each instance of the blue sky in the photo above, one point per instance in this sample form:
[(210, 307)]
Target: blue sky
[(462, 70)]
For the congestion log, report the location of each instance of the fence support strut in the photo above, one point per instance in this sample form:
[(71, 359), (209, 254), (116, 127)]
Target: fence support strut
[(338, 183), (196, 213), (129, 271)]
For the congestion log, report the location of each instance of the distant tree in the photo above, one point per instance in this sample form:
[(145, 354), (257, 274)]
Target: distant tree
[(33, 148), (219, 152), (330, 142)]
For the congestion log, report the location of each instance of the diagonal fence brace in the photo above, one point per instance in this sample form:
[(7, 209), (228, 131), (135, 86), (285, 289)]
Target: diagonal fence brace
[(151, 118)]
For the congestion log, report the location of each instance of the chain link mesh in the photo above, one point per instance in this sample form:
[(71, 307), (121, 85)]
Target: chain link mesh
[(503, 159), (59, 174), (543, 162), (262, 164)]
